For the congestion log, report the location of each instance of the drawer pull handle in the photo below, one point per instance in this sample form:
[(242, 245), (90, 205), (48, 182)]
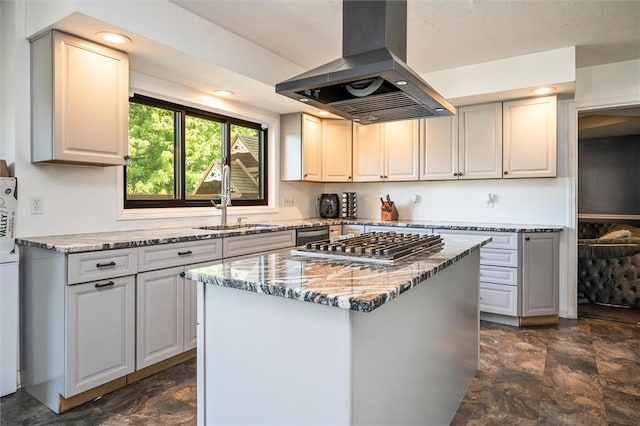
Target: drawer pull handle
[(185, 253), (105, 265), (110, 283)]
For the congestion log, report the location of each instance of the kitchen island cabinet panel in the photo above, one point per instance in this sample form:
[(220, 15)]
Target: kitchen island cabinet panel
[(336, 364), (80, 95), (100, 330)]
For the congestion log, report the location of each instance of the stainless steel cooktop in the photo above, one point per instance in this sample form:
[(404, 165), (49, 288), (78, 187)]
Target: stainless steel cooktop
[(373, 247)]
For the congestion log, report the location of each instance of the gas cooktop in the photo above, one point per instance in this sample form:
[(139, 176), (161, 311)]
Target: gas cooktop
[(373, 247)]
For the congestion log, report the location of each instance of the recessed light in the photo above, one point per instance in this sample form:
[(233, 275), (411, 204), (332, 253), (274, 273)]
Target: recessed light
[(323, 113), (439, 109), (543, 90), (223, 93), (401, 83), (114, 38), (356, 119), (304, 99)]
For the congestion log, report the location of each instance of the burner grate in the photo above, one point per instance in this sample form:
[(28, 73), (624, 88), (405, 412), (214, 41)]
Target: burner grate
[(374, 247)]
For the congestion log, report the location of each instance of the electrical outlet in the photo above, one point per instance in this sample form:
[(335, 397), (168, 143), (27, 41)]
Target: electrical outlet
[(288, 202), (36, 205)]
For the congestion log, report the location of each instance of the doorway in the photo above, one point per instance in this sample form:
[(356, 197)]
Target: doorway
[(608, 214)]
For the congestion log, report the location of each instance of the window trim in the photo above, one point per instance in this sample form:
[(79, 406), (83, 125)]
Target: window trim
[(179, 164)]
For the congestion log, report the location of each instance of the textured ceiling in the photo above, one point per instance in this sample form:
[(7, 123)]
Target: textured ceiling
[(441, 33)]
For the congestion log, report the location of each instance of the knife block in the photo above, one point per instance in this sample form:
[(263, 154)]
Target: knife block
[(387, 216)]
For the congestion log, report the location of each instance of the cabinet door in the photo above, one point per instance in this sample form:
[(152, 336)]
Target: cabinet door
[(439, 152), (99, 333), (190, 308), (540, 274), (368, 153), (89, 100), (402, 143), (336, 150), (530, 138), (311, 148), (160, 313), (480, 141)]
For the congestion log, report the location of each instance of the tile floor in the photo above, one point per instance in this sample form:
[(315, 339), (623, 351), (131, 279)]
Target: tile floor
[(584, 372)]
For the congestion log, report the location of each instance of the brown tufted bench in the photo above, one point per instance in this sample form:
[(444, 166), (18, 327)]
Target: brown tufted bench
[(608, 269)]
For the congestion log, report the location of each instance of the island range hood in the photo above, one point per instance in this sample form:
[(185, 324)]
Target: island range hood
[(370, 83)]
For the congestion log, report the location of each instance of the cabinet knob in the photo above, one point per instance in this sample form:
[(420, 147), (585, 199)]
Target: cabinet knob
[(305, 175), (182, 274), (460, 174), (381, 177), (527, 238), (348, 177), (455, 174), (506, 172)]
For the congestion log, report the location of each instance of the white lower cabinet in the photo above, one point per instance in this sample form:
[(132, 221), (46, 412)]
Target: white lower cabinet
[(540, 271), (159, 316), (100, 330), (165, 308)]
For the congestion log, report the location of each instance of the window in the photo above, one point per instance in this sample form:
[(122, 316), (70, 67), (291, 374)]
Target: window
[(176, 155)]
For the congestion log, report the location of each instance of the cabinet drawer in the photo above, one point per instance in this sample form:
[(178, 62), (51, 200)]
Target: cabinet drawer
[(502, 240), (257, 243), (499, 299), (498, 257), (177, 254), (99, 265), (498, 275), (352, 229), (499, 240)]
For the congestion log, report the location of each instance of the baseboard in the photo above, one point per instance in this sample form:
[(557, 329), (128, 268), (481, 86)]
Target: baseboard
[(65, 404)]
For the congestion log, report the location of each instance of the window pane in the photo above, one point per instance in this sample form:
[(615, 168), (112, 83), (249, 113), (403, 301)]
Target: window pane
[(203, 157), (246, 164), (150, 172)]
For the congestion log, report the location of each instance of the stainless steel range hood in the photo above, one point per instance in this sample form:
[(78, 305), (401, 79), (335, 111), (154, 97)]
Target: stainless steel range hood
[(371, 83)]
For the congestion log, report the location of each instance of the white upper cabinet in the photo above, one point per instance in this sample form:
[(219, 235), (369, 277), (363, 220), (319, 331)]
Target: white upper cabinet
[(336, 150), (368, 153), (402, 142), (530, 138), (300, 147), (386, 152), (439, 155), (480, 141), (79, 109)]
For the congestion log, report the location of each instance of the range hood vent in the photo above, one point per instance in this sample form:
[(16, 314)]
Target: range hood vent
[(371, 83)]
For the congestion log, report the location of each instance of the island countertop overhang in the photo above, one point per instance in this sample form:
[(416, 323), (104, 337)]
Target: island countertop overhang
[(351, 285)]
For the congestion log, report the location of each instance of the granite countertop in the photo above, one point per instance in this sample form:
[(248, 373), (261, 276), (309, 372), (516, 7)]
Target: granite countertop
[(356, 286), (77, 243), (461, 226)]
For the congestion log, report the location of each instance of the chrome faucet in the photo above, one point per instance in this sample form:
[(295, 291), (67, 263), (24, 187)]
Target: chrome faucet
[(225, 196)]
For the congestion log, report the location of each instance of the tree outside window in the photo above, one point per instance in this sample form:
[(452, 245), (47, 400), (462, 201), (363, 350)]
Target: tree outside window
[(176, 155)]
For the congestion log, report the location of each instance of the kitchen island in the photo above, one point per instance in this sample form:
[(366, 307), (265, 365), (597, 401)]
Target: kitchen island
[(284, 339)]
